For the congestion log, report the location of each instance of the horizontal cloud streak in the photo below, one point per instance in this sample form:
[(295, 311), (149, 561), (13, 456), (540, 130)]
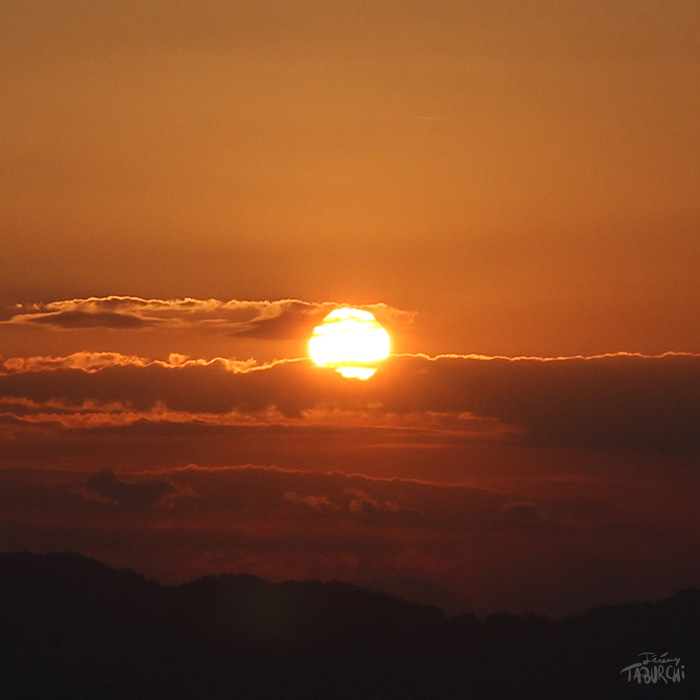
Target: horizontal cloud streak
[(94, 361), (284, 318), (613, 401), (618, 401)]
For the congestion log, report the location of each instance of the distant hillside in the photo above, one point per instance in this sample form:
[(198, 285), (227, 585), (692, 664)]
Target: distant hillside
[(73, 628)]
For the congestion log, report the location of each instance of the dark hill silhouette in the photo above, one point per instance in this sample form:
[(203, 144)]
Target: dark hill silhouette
[(73, 628)]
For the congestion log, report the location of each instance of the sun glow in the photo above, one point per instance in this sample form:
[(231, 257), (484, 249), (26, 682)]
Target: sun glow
[(351, 341)]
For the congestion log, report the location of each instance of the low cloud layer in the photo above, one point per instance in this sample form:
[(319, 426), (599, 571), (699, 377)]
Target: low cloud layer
[(505, 481), (620, 401), (507, 545), (135, 494)]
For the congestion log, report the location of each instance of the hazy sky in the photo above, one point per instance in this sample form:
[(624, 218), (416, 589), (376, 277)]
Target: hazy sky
[(188, 188), (523, 174)]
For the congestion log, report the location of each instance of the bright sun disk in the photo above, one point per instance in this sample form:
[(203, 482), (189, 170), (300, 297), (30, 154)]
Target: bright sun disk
[(351, 341)]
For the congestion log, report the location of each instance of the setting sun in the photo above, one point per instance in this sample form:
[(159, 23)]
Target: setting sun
[(351, 341), (361, 339)]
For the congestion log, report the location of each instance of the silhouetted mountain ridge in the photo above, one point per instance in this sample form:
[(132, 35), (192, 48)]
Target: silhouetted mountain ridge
[(74, 628)]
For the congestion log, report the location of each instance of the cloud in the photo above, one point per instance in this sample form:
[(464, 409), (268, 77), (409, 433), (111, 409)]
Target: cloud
[(88, 361), (361, 502), (313, 502), (134, 494), (356, 503), (284, 318), (618, 401), (94, 361), (492, 547), (90, 319)]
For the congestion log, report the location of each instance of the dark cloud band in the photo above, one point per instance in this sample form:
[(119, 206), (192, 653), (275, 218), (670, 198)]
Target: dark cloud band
[(614, 401)]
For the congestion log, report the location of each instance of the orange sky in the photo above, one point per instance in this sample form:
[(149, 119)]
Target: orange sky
[(191, 187), (524, 175)]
